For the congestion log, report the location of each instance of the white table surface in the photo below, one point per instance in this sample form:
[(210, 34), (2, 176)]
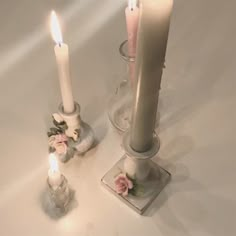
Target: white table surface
[(197, 127)]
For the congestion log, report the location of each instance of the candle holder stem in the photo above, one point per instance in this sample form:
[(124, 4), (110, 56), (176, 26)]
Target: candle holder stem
[(72, 120), (71, 135)]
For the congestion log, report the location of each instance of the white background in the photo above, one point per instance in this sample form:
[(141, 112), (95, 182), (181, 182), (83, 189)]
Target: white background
[(197, 127)]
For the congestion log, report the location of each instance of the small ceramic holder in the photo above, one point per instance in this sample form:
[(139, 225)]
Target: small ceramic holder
[(135, 179), (71, 135)]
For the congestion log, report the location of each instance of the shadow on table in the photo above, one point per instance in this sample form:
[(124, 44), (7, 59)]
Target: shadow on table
[(192, 87), (206, 212), (198, 209), (174, 151)]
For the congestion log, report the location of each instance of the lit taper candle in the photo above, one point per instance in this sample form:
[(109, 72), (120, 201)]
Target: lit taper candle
[(150, 56), (54, 174), (62, 58)]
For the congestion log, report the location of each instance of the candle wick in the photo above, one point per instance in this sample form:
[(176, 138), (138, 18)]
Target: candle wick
[(59, 44)]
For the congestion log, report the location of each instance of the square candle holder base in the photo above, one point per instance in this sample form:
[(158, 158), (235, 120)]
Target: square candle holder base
[(152, 186)]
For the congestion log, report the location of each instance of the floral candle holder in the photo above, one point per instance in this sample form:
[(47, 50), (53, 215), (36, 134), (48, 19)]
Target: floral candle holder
[(70, 135), (135, 179)]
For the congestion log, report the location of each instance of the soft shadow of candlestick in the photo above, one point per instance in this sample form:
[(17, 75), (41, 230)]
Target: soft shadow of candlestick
[(190, 94), (200, 208), (172, 152)]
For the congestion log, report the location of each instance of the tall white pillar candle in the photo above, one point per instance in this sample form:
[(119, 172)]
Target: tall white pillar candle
[(62, 58), (150, 57)]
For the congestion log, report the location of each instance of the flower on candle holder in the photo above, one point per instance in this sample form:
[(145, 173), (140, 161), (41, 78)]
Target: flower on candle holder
[(65, 146), (57, 138), (60, 138), (123, 184), (59, 143), (61, 148)]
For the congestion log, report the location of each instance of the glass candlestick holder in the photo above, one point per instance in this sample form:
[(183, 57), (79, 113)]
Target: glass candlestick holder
[(120, 103), (57, 201), (61, 196)]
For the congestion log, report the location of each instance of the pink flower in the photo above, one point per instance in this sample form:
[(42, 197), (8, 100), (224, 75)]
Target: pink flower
[(123, 184), (61, 148), (61, 138), (59, 142)]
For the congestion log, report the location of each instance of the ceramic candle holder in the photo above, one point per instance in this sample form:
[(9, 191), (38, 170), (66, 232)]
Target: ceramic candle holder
[(135, 179), (70, 135)]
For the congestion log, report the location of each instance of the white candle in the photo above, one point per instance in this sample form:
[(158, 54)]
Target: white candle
[(54, 175), (62, 58), (132, 17)]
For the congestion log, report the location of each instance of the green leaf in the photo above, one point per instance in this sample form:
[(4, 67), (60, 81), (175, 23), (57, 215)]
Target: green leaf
[(137, 190), (51, 149)]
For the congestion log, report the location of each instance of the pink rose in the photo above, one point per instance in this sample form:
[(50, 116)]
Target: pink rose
[(123, 184), (61, 148), (61, 138), (59, 142)]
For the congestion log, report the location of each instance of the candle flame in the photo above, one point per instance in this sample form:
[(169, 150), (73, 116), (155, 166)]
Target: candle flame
[(53, 163), (55, 28), (132, 4)]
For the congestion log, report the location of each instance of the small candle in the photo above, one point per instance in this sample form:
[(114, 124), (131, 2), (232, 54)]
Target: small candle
[(62, 58), (54, 174)]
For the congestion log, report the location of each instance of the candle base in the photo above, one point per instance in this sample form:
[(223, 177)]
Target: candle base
[(71, 136), (146, 191), (135, 179), (56, 202)]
